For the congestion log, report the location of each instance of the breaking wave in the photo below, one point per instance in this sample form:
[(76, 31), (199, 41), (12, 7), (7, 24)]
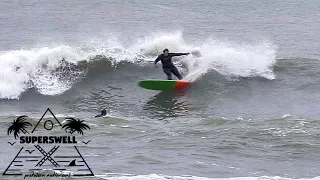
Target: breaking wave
[(54, 70)]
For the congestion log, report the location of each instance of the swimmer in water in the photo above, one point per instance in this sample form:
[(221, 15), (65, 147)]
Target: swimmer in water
[(103, 113)]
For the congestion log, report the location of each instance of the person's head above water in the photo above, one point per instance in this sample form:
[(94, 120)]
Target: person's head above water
[(165, 52), (103, 112)]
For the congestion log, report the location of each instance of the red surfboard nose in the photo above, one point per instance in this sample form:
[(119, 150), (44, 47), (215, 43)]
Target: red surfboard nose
[(181, 84)]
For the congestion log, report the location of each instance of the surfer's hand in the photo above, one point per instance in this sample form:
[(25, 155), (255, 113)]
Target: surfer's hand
[(188, 53), (155, 65)]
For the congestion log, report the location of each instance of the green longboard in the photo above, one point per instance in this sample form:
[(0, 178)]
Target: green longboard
[(159, 84)]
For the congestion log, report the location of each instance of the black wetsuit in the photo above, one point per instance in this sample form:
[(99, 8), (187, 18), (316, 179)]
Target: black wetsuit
[(103, 113), (168, 66)]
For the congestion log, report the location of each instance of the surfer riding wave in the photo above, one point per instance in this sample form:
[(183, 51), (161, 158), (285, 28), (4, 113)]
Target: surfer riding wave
[(167, 65)]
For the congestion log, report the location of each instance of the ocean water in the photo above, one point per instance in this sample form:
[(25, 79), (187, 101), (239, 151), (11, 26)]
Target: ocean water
[(252, 111)]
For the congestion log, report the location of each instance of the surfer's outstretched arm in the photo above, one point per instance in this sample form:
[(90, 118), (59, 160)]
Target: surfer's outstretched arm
[(156, 61), (179, 54)]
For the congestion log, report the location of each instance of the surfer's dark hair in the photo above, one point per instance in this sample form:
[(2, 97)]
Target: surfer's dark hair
[(165, 50)]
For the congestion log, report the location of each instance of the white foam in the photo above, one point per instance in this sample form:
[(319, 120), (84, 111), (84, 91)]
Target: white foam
[(237, 60), (154, 44), (24, 69), (231, 59), (165, 177)]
